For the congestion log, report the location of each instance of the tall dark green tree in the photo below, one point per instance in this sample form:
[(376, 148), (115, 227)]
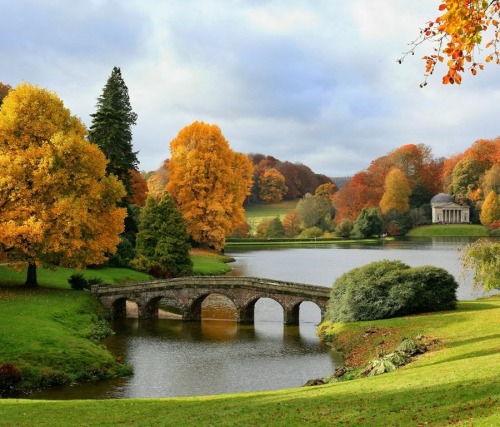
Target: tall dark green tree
[(162, 247), (368, 223), (111, 128)]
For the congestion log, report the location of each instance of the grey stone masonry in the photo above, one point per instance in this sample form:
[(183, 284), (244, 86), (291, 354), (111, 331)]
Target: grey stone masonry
[(188, 293)]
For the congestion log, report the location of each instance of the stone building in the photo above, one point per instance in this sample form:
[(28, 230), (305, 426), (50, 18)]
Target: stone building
[(446, 210)]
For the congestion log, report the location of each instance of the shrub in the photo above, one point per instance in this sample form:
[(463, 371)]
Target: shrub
[(310, 233), (78, 282), (386, 289), (9, 377)]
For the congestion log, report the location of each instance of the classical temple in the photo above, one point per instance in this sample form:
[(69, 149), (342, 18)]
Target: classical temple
[(446, 210)]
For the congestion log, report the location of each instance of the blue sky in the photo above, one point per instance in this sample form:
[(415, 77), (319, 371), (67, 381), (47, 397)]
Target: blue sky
[(311, 81)]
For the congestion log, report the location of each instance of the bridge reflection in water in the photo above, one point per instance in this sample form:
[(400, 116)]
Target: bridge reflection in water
[(186, 295)]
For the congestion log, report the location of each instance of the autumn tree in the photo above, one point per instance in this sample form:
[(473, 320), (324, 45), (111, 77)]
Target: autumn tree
[(162, 247), (326, 190), (313, 210), (111, 128), (272, 186), (157, 180), (4, 90), (490, 211), (139, 189), (292, 223), (465, 35), (465, 179), (57, 205), (491, 180), (208, 183), (396, 192)]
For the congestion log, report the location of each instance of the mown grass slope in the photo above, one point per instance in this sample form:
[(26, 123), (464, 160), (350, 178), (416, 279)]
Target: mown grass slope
[(255, 214), (458, 230)]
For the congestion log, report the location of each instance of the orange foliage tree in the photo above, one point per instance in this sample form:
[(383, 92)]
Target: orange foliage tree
[(292, 223), (208, 182), (139, 188), (272, 186), (464, 30), (396, 192), (157, 181), (57, 206)]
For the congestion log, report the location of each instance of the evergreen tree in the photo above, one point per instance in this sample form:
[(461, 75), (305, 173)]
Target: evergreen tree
[(111, 128), (162, 247), (368, 223)]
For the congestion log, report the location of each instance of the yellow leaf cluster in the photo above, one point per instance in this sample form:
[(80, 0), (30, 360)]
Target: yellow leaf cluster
[(56, 203), (208, 182)]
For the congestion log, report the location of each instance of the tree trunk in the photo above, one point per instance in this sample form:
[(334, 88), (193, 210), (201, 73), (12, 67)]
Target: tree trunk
[(31, 281)]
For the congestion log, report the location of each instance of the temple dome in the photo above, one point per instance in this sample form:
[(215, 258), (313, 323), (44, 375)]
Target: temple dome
[(443, 198)]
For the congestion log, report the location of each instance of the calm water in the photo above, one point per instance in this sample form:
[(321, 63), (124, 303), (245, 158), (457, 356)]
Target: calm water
[(172, 358)]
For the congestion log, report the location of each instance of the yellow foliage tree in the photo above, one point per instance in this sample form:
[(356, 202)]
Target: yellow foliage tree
[(208, 182), (57, 206), (490, 211), (397, 191), (458, 35)]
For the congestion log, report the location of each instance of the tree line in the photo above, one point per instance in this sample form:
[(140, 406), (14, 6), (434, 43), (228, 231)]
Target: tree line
[(74, 197)]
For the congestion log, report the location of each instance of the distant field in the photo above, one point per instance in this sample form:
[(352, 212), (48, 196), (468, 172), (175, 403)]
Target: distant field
[(438, 230), (254, 214)]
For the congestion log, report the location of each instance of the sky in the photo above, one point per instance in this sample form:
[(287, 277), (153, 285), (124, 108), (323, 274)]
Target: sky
[(309, 81)]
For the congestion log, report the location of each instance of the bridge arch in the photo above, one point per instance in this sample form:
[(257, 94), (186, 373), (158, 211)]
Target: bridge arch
[(194, 311)]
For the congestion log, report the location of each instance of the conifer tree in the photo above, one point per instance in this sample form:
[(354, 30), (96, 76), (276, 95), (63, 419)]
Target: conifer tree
[(368, 223), (162, 247), (111, 128)]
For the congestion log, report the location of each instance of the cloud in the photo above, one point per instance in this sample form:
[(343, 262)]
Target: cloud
[(311, 82)]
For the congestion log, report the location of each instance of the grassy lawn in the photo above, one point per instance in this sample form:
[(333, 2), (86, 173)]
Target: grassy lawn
[(58, 278), (254, 214), (208, 262), (52, 336), (456, 383), (438, 230)]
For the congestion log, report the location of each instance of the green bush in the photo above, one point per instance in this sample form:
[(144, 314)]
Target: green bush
[(78, 282), (386, 289)]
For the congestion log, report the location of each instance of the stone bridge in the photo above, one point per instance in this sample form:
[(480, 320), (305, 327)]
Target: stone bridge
[(186, 295)]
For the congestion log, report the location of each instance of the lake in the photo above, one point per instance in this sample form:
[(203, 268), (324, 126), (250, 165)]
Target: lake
[(172, 358)]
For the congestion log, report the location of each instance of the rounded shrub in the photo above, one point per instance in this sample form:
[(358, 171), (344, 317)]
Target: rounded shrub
[(386, 289)]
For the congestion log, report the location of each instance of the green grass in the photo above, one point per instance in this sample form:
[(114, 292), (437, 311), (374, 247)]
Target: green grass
[(205, 265), (459, 230), (58, 278), (255, 214), (457, 383), (48, 334)]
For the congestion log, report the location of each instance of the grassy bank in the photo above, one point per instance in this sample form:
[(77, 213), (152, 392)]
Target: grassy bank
[(458, 230), (52, 336), (456, 383)]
